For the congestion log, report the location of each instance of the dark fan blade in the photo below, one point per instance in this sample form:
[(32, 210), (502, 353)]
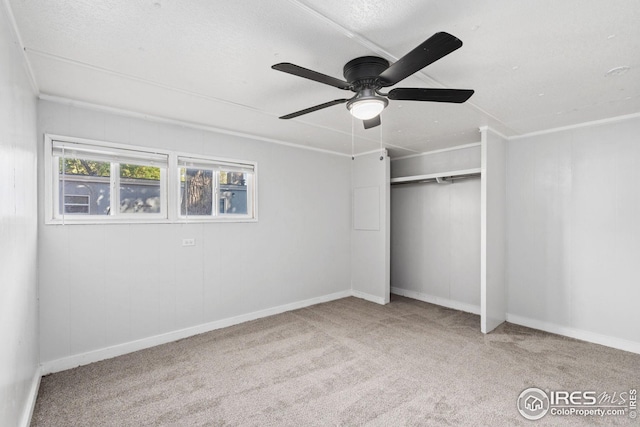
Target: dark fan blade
[(434, 48), (311, 75), (371, 123), (316, 108), (434, 95)]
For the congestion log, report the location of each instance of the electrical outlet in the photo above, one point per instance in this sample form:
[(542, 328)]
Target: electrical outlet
[(188, 242)]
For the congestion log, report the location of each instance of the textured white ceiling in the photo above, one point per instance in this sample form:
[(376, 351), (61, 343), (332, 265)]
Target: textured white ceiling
[(534, 65)]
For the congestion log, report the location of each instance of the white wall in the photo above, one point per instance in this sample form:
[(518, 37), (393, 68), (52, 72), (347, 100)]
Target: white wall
[(370, 263), (493, 231), (19, 372), (574, 232), (435, 231), (108, 285)]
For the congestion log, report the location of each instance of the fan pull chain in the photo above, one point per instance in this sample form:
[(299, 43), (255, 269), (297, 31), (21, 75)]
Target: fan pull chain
[(353, 156), (381, 150)]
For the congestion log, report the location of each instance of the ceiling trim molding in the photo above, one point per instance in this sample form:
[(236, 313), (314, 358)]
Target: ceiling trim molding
[(159, 119), (442, 150), (576, 126), (489, 128), (25, 60), (379, 150)]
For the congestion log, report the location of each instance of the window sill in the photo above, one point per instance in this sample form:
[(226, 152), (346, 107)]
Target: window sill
[(147, 221)]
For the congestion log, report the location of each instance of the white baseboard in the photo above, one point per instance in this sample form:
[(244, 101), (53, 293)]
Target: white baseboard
[(30, 404), (73, 361), (120, 349), (368, 297), (580, 334), (445, 302)]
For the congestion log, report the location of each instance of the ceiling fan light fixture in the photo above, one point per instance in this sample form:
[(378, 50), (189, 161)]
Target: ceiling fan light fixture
[(366, 75), (367, 107)]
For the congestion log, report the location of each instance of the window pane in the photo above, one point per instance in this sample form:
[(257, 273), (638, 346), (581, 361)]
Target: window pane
[(233, 193), (196, 191), (76, 204), (139, 189), (76, 200), (73, 209), (85, 186)]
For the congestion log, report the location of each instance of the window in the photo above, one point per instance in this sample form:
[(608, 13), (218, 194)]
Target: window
[(94, 182), (211, 188)]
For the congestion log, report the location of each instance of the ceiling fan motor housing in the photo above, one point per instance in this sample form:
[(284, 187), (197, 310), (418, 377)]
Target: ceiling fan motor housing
[(363, 72)]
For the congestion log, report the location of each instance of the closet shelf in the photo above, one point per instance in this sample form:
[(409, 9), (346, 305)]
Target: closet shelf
[(449, 176)]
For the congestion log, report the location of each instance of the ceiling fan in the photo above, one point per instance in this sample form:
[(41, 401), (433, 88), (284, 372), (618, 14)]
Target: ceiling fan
[(368, 74)]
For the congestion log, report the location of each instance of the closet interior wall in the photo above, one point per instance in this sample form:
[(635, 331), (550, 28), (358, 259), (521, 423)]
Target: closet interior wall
[(435, 230)]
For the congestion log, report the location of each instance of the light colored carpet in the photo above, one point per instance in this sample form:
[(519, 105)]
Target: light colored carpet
[(342, 363)]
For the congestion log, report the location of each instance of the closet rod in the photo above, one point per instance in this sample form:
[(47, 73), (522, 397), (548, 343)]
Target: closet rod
[(443, 180), (444, 177)]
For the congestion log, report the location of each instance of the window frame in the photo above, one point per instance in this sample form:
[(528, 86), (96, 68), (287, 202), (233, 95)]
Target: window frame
[(170, 210), (213, 163), (52, 184)]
